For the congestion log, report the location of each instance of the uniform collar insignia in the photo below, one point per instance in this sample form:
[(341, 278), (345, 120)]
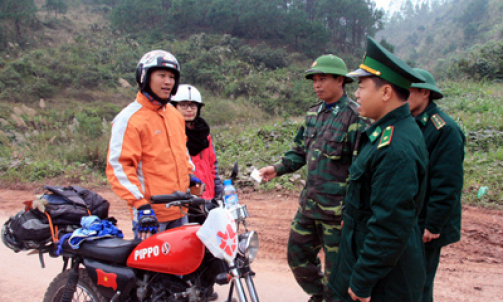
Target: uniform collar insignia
[(375, 134), (424, 118), (335, 110), (322, 107)]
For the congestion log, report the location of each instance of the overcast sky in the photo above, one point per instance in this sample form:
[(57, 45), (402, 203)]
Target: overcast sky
[(386, 4)]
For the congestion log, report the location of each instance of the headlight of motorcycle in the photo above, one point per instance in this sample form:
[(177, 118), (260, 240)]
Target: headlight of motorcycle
[(248, 245)]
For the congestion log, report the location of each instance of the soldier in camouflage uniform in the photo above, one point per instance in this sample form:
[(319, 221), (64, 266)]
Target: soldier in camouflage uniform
[(327, 143)]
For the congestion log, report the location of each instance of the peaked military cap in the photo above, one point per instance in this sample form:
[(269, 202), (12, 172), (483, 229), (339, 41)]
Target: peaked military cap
[(329, 64), (430, 84), (378, 61)]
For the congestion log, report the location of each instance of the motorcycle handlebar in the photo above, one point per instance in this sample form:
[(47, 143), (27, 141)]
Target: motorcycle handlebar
[(176, 196), (178, 199), (192, 202)]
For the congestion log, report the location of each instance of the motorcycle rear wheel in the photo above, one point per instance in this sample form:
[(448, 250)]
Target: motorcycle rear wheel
[(86, 291)]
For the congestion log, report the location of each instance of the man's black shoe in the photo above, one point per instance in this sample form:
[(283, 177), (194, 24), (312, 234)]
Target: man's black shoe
[(316, 299), (213, 296)]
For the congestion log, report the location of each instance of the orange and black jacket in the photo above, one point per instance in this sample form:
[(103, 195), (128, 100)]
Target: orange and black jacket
[(148, 156)]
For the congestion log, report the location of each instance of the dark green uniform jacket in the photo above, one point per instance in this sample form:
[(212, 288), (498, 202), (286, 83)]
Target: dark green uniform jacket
[(327, 142), (441, 213), (381, 250)]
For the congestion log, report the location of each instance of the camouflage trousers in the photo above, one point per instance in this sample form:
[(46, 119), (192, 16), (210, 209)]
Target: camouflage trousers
[(307, 237)]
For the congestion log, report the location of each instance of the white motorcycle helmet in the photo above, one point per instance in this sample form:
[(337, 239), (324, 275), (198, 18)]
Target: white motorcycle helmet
[(187, 93), (157, 59)]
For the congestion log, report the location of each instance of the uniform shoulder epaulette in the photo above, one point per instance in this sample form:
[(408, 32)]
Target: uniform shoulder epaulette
[(437, 121), (386, 136)]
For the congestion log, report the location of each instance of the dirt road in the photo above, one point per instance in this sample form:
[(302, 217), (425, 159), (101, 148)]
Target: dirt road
[(470, 270)]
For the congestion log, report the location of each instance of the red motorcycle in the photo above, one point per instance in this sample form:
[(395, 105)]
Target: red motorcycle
[(177, 265)]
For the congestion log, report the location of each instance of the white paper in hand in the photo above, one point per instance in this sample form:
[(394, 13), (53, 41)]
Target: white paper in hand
[(255, 174)]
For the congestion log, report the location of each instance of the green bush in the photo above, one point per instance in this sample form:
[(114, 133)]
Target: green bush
[(101, 9), (42, 88), (262, 55), (90, 126), (483, 62), (92, 153), (36, 170), (10, 77), (111, 3)]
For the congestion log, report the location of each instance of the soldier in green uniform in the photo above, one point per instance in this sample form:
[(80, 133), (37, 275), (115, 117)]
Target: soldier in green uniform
[(327, 143), (381, 252), (440, 218)]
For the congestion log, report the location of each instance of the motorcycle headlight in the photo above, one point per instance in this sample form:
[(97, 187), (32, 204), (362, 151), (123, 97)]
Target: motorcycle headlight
[(248, 245)]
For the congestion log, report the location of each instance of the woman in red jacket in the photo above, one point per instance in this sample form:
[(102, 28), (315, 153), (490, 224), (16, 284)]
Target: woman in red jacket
[(188, 102)]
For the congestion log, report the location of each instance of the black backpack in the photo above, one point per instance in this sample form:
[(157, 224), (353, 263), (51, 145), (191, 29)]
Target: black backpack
[(67, 205), (26, 230), (33, 229)]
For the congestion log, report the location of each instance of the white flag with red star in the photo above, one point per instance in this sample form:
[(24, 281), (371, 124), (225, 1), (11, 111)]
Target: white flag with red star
[(219, 234)]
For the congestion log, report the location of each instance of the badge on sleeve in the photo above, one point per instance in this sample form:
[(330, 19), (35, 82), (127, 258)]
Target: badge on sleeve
[(386, 137)]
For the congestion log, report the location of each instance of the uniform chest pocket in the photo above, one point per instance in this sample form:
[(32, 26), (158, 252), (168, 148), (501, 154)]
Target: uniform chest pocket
[(333, 144), (353, 194), (308, 137)]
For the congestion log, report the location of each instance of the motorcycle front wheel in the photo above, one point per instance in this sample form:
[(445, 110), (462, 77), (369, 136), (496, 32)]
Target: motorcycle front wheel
[(86, 291)]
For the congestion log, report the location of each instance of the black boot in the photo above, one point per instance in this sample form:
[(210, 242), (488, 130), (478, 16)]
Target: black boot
[(213, 296), (316, 298)]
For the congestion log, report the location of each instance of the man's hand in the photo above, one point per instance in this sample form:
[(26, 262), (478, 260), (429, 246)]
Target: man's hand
[(194, 181), (429, 236), (268, 173), (147, 222), (355, 298)]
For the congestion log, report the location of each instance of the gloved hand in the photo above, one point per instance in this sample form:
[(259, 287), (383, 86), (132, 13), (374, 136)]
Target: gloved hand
[(194, 180), (147, 221)]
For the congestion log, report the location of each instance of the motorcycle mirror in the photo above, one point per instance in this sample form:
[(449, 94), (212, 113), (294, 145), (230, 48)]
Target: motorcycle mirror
[(235, 171)]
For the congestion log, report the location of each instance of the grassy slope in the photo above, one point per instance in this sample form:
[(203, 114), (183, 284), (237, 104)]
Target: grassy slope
[(475, 106), (72, 151)]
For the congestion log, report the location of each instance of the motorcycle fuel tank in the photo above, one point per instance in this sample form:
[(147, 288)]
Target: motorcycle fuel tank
[(177, 251)]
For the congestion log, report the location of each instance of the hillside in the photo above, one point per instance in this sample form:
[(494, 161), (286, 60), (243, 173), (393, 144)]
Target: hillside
[(433, 35), (79, 56)]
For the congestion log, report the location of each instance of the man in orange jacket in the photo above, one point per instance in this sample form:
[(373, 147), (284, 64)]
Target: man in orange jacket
[(147, 154)]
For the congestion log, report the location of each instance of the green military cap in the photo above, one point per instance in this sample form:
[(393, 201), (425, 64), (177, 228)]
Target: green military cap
[(329, 64), (430, 84), (378, 61)]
